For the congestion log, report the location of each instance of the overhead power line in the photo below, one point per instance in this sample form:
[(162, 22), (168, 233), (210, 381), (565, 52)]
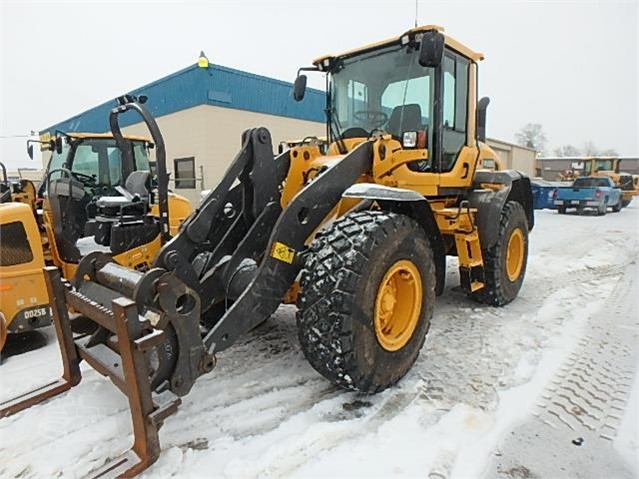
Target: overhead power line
[(33, 133)]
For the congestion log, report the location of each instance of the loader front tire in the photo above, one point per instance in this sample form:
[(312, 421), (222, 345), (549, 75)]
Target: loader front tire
[(367, 296), (505, 262)]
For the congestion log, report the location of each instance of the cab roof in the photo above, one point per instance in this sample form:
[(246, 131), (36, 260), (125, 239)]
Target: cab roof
[(106, 135), (450, 42)]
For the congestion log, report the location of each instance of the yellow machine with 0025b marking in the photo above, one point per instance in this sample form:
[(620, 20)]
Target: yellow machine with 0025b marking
[(24, 302)]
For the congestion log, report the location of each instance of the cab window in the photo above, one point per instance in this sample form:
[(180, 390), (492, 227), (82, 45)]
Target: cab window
[(414, 91), (115, 165), (455, 108), (86, 160)]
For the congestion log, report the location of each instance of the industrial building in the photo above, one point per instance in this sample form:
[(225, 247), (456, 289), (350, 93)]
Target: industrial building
[(514, 157), (203, 109)]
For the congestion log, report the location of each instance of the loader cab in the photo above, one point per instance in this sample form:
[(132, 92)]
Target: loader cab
[(96, 161), (83, 171), (418, 89), (594, 165)]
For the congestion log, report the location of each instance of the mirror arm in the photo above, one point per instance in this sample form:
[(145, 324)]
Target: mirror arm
[(314, 68)]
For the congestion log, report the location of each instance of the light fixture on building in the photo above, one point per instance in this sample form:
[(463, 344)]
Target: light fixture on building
[(203, 62)]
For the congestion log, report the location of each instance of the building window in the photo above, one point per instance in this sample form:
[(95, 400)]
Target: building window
[(184, 169)]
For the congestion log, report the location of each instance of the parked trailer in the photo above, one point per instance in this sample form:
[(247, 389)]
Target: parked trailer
[(544, 193)]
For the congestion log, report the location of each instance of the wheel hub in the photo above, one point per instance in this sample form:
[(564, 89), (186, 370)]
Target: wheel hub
[(398, 305), (515, 255)]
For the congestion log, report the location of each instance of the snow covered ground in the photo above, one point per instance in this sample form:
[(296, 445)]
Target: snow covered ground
[(544, 387)]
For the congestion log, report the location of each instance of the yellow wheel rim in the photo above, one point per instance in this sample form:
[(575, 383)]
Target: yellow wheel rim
[(515, 255), (398, 305), (3, 331)]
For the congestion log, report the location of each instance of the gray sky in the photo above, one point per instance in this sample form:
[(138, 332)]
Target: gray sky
[(571, 66)]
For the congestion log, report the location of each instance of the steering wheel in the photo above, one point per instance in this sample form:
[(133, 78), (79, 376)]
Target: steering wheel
[(375, 118), (86, 180)]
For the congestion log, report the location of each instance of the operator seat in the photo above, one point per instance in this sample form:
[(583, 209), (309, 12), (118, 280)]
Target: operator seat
[(408, 118), (134, 199), (404, 118), (123, 222)]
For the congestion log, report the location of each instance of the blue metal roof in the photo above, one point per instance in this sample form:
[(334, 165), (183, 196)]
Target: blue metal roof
[(215, 85)]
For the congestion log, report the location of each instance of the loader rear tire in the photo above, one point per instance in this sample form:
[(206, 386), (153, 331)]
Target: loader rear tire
[(505, 262), (367, 296)]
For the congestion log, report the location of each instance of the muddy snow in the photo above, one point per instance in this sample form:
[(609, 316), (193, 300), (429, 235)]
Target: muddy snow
[(544, 387)]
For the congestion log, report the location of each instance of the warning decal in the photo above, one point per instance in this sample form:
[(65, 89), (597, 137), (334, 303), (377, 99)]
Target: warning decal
[(283, 253)]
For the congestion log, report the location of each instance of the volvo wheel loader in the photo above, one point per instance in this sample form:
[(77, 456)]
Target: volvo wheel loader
[(91, 183), (609, 167), (357, 237), (96, 196)]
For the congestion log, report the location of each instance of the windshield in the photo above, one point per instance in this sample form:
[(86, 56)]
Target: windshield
[(383, 90), (600, 165), (59, 160), (590, 182), (100, 159)]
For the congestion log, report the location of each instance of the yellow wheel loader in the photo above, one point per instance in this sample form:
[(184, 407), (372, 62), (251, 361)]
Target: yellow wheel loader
[(357, 237), (610, 166), (97, 196)]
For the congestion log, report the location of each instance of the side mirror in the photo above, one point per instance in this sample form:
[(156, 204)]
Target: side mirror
[(57, 145), (299, 88), (30, 150), (431, 50), (482, 105)]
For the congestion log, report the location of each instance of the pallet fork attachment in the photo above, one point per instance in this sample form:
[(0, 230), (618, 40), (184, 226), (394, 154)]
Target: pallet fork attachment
[(129, 371)]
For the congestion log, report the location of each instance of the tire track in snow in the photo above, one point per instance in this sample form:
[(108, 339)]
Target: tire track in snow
[(265, 405), (447, 376), (584, 403)]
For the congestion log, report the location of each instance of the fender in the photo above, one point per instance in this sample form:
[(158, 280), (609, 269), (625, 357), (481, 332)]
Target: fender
[(492, 189), (414, 205)]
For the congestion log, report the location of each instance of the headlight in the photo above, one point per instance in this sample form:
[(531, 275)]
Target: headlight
[(414, 139), (410, 139)]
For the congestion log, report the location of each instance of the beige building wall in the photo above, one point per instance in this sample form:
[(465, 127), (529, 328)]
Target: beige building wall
[(514, 157), (213, 134), (26, 174)]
